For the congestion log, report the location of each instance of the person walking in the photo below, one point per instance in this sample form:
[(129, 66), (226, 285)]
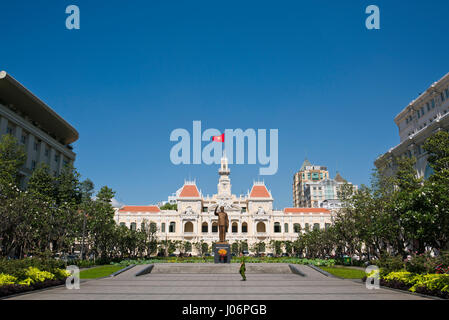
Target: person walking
[(243, 268)]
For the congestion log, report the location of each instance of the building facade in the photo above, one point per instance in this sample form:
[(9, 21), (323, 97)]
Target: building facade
[(313, 187), (45, 136), (424, 116), (251, 216)]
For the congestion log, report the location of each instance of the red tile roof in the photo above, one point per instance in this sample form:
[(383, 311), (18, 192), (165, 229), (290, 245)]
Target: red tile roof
[(189, 191), (140, 209), (259, 192), (305, 210)]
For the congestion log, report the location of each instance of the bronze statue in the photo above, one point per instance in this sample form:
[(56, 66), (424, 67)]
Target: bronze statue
[(223, 223)]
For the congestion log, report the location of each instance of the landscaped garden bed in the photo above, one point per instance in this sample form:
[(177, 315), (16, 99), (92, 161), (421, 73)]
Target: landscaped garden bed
[(292, 260), (428, 284), (17, 276)]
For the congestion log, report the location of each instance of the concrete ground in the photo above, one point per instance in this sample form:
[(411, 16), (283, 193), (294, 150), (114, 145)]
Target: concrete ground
[(219, 282)]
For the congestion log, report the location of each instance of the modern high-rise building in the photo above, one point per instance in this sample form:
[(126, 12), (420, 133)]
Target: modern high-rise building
[(45, 135), (313, 187), (424, 116)]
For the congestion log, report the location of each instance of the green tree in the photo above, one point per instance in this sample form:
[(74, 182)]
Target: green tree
[(42, 184), (169, 206), (12, 158)]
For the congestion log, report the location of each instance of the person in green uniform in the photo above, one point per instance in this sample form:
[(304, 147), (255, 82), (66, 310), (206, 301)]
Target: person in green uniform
[(243, 268)]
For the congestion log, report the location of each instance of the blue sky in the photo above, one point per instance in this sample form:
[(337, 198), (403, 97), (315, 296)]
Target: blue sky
[(137, 70)]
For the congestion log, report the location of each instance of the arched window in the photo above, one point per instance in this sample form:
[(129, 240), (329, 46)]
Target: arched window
[(327, 226), (153, 226), (244, 227), (316, 226), (142, 226), (261, 227), (297, 228), (235, 227), (172, 227), (163, 227), (133, 226), (286, 227), (204, 227), (122, 224), (214, 227), (277, 227), (188, 227)]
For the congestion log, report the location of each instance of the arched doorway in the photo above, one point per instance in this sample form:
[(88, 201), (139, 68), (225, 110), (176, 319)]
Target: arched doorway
[(261, 227), (188, 227)]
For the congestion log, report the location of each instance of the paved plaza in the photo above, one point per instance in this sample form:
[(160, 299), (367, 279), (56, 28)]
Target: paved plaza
[(219, 282)]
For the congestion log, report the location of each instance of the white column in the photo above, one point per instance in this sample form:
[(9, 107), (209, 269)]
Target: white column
[(60, 162), (52, 160), (41, 157), (18, 133)]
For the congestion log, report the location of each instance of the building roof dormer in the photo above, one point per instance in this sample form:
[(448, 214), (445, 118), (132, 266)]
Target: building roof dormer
[(259, 190), (189, 190)]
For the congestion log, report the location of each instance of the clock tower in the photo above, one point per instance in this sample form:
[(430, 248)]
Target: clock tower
[(224, 183)]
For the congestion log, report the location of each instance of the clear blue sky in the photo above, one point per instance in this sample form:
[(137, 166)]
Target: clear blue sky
[(137, 70)]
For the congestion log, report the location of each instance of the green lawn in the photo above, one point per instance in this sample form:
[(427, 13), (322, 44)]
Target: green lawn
[(99, 272), (346, 273)]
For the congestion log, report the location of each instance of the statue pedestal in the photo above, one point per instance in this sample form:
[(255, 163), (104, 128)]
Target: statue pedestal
[(226, 258)]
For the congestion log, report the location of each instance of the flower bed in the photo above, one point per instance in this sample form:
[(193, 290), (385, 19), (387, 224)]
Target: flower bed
[(30, 278), (429, 284)]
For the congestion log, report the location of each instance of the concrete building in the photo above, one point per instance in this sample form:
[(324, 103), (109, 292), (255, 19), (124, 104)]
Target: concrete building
[(423, 117), (313, 187), (251, 216), (45, 135)]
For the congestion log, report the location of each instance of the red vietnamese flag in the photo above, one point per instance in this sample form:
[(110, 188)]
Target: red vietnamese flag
[(218, 138)]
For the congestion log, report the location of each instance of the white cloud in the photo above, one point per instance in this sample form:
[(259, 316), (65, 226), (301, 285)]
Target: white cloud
[(115, 203)]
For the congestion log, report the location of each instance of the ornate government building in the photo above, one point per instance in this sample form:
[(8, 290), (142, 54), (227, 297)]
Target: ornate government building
[(251, 217)]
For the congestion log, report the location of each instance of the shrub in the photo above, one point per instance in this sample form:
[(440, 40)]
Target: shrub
[(402, 276), (431, 282), (421, 264), (14, 266), (61, 273), (33, 275), (389, 264), (6, 279)]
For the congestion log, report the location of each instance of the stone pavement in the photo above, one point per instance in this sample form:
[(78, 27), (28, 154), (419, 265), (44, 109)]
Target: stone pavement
[(219, 282)]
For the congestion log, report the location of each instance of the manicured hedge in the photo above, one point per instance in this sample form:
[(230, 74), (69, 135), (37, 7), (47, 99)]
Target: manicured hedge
[(317, 262)]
